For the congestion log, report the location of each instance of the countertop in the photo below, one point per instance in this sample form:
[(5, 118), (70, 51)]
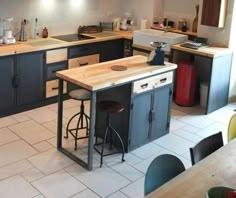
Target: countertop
[(98, 76), (212, 52), (24, 47)]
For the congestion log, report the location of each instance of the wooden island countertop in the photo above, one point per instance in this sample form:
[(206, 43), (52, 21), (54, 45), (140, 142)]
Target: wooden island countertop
[(99, 76)]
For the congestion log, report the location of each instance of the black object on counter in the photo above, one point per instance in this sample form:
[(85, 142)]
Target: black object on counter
[(184, 27)]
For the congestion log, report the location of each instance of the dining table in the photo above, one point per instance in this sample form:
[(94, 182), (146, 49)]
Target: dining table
[(217, 169)]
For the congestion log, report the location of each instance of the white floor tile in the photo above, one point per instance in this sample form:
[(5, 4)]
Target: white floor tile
[(174, 143), (20, 117), (127, 171), (32, 132), (86, 194), (32, 174), (7, 136), (176, 124), (15, 151), (117, 195), (135, 189), (15, 168), (50, 161), (17, 186), (187, 135), (190, 128), (59, 185), (43, 146), (147, 150), (7, 121), (104, 181), (43, 115)]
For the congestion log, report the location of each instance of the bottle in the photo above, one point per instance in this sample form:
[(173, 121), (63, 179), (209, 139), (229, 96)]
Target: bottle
[(36, 32), (184, 27), (45, 33)]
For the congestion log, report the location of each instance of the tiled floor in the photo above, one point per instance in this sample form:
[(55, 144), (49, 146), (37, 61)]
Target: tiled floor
[(30, 165)]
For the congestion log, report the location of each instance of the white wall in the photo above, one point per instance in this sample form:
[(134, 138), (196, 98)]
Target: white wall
[(60, 16)]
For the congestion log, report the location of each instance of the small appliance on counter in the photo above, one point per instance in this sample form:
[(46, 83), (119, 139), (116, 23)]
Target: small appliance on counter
[(157, 56), (7, 32), (126, 22)]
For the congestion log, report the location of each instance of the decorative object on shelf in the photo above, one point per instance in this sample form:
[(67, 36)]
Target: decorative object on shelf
[(195, 20), (45, 33), (156, 57), (184, 26)]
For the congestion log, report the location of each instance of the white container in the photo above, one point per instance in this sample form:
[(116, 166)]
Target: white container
[(143, 24), (203, 94)]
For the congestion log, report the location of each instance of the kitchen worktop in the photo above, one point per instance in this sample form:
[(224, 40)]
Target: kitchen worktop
[(50, 43), (99, 76), (210, 51)]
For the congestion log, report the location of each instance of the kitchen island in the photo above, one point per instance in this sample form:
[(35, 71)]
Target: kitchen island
[(150, 82)]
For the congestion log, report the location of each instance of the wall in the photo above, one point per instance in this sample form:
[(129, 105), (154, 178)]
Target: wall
[(60, 16)]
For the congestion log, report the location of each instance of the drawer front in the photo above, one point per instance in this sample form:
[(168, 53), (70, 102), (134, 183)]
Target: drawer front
[(163, 79), (53, 68), (52, 88), (58, 55), (152, 82), (83, 50), (83, 61)]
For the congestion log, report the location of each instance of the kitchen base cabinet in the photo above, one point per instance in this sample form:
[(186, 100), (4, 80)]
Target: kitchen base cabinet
[(22, 81), (150, 116), (30, 85), (7, 91)]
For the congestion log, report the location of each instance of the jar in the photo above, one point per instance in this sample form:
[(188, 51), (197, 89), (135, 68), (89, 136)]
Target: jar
[(45, 33)]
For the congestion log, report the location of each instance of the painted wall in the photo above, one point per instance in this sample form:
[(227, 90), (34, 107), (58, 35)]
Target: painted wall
[(60, 16)]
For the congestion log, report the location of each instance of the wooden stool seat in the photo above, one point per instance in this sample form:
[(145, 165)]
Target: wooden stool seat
[(109, 106), (80, 94)]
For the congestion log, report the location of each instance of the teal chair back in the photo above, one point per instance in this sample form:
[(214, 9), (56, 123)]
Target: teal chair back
[(232, 128), (162, 169)]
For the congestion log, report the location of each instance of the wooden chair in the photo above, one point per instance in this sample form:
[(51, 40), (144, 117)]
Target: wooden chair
[(232, 128), (205, 147), (162, 169)]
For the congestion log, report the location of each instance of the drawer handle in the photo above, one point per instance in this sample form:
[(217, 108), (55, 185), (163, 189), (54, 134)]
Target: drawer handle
[(83, 64), (54, 88), (163, 80), (54, 71), (144, 86)]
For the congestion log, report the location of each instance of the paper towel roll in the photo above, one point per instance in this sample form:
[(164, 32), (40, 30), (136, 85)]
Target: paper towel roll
[(143, 24)]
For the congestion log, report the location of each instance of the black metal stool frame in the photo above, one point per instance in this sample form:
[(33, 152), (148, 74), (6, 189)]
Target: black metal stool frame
[(79, 126), (109, 128)]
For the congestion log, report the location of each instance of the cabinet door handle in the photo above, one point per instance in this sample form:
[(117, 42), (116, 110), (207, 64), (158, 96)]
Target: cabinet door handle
[(83, 64), (163, 80), (143, 86), (55, 88), (151, 116), (15, 81)]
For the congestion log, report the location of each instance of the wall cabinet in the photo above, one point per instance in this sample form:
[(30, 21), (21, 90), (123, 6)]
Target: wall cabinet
[(214, 12), (22, 80)]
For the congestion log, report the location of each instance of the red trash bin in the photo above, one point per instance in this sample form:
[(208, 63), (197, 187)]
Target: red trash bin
[(186, 83)]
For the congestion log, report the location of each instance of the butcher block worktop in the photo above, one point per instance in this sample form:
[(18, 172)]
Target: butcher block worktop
[(99, 76), (50, 43)]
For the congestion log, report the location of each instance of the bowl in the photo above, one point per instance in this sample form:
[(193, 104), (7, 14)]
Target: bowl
[(219, 192)]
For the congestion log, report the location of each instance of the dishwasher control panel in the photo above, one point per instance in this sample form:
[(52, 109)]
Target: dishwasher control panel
[(147, 84)]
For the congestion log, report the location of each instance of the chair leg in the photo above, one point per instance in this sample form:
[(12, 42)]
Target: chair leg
[(68, 124), (122, 144), (103, 143), (77, 130)]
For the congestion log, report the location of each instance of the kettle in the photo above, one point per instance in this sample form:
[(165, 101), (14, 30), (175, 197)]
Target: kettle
[(116, 24)]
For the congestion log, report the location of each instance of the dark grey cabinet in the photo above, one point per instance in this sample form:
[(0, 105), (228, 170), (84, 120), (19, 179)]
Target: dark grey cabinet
[(150, 110), (22, 81), (7, 92), (30, 78)]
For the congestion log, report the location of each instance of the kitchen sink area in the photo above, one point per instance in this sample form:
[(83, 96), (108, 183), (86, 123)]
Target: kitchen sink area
[(146, 36)]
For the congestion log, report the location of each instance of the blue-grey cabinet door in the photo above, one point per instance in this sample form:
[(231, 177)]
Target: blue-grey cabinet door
[(161, 111), (140, 123), (7, 93), (31, 79)]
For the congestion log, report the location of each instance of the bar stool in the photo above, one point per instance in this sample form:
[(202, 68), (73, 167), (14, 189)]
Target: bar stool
[(109, 107), (81, 95)]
